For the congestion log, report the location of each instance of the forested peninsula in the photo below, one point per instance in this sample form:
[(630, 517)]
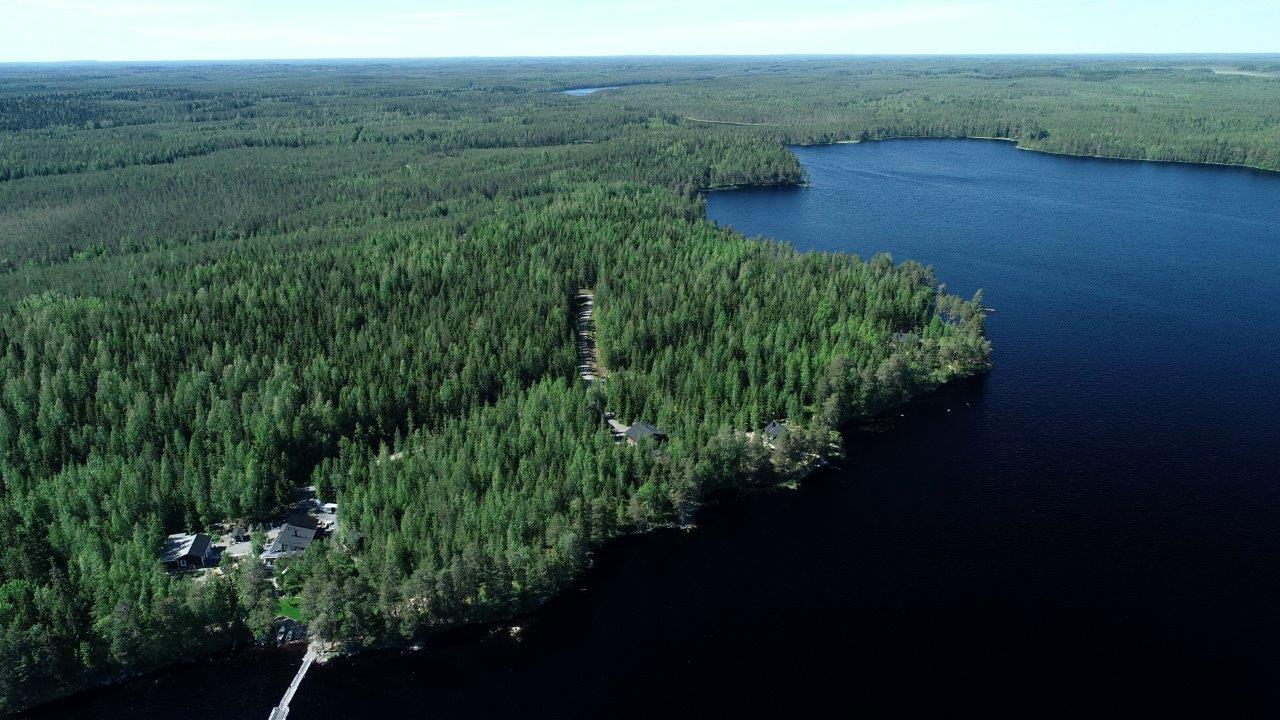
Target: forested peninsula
[(223, 283)]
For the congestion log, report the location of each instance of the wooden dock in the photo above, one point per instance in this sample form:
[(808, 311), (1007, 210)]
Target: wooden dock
[(281, 711)]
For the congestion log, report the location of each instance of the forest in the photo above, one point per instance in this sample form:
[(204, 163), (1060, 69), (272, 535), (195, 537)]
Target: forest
[(219, 283)]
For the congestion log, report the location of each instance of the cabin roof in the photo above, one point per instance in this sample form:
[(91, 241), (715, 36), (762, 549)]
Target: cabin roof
[(775, 428), (641, 430), (180, 545), (291, 539)]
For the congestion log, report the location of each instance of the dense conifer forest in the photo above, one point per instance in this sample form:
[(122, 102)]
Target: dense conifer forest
[(219, 283)]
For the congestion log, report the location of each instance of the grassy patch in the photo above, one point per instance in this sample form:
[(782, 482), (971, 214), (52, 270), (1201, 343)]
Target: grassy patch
[(288, 607)]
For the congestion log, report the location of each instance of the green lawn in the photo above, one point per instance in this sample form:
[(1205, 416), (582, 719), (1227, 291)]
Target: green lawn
[(288, 607)]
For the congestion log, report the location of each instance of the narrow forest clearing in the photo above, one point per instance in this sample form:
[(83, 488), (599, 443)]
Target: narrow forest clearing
[(585, 337), (731, 122), (589, 368)]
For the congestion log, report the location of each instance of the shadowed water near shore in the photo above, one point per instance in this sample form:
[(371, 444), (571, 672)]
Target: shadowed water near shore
[(1090, 527)]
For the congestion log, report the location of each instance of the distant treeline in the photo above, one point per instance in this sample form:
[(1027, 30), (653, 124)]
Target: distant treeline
[(135, 158), (221, 282)]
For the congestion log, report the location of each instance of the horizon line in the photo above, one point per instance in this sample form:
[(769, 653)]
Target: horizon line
[(651, 56)]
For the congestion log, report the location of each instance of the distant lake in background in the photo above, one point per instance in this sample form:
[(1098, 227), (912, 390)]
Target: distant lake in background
[(1092, 527), (579, 92)]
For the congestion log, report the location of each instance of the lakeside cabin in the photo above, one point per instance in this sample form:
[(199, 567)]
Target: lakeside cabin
[(291, 540), (642, 430), (184, 551)]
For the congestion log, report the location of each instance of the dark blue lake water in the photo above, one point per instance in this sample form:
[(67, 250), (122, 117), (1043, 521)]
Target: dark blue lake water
[(1093, 527)]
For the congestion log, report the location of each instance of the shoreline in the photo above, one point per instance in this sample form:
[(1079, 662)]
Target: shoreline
[(329, 650), (322, 650), (788, 482), (1017, 144)]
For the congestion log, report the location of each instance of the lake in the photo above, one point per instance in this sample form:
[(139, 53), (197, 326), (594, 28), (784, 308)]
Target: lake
[(1092, 527), (582, 92)]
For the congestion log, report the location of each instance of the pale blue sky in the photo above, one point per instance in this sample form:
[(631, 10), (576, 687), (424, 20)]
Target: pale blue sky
[(231, 29)]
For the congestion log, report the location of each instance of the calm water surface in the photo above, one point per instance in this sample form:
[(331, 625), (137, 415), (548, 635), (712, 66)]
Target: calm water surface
[(1093, 527), (582, 92)]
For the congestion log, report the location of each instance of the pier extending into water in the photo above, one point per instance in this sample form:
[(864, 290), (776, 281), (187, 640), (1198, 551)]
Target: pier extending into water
[(279, 712)]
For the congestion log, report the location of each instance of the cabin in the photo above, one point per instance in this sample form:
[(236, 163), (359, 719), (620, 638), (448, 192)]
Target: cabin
[(775, 430), (291, 540), (617, 429), (642, 430), (187, 552)]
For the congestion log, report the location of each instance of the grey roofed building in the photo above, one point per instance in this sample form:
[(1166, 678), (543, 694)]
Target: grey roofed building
[(617, 429), (775, 429), (291, 540), (641, 430), (183, 552)]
